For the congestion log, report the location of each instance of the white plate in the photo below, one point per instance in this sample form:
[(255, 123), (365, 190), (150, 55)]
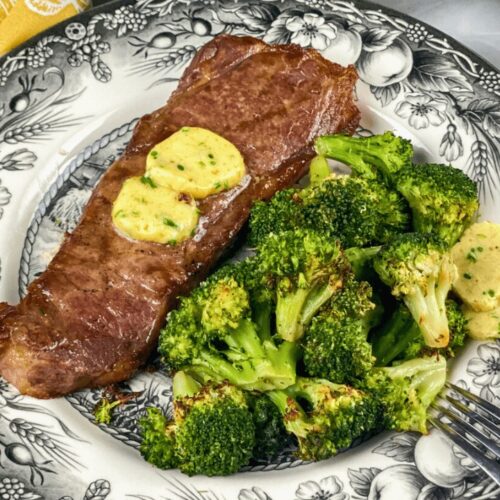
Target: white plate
[(68, 102)]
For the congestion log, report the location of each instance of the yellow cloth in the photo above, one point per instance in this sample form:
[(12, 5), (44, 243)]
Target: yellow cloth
[(22, 19)]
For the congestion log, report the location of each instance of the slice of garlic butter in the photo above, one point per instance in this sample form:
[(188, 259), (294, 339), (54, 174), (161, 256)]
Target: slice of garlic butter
[(147, 211), (196, 161)]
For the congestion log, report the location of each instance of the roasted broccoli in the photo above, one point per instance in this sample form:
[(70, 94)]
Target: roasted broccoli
[(356, 211), (405, 391), (281, 213), (420, 271), (213, 337), (307, 268), (443, 199), (325, 417), (371, 157), (212, 433), (335, 344)]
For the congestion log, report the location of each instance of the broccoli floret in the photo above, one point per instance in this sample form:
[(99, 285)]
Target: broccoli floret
[(443, 199), (212, 336), (281, 213), (406, 391), (271, 437), (308, 268), (420, 271), (158, 439), (335, 344), (356, 210), (103, 411), (368, 157), (325, 417), (213, 432)]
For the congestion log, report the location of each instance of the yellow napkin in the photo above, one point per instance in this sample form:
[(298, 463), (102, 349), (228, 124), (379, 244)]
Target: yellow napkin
[(22, 19)]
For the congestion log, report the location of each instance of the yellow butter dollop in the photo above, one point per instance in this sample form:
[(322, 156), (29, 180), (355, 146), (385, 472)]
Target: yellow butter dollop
[(147, 211), (196, 161)]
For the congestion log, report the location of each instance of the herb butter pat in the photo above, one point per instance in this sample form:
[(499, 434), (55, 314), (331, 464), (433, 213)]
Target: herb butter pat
[(196, 161), (147, 211), (477, 257)]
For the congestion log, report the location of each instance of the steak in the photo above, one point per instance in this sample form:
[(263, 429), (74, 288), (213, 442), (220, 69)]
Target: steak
[(93, 317)]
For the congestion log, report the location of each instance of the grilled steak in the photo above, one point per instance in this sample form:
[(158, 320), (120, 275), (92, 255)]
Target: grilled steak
[(93, 317)]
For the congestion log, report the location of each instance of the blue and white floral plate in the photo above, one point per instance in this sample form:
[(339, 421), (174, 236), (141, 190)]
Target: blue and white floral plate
[(68, 102)]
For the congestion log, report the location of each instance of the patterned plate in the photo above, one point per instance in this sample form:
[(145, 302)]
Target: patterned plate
[(68, 103)]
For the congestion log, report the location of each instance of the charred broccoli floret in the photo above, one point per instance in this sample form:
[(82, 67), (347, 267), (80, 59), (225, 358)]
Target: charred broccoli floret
[(212, 433), (372, 157), (335, 344), (443, 199), (356, 211), (213, 337), (308, 268), (281, 213), (405, 391), (325, 417), (420, 271)]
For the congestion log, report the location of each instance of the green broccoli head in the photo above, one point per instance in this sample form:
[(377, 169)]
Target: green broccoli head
[(212, 432), (215, 336), (325, 417), (271, 437), (420, 271), (215, 433), (307, 269), (406, 391), (335, 344), (281, 213), (356, 210), (372, 157), (443, 199)]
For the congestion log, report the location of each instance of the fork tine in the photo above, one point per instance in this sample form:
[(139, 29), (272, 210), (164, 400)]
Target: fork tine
[(464, 426), (491, 409), (490, 467), (473, 415)]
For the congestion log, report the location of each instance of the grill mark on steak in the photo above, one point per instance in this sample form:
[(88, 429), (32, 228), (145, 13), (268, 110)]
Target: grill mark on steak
[(93, 317)]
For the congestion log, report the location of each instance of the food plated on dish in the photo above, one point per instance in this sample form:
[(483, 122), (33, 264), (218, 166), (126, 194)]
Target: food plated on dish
[(278, 348)]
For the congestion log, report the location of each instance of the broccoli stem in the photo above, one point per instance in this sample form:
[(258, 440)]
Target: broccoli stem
[(184, 386), (289, 314), (352, 151), (429, 311), (253, 364), (262, 319), (295, 310), (395, 336), (318, 170)]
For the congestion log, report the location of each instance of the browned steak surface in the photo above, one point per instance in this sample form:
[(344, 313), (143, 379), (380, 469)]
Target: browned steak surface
[(93, 317)]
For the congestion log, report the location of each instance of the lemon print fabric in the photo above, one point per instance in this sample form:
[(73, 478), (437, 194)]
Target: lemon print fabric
[(148, 212), (196, 161), (23, 19)]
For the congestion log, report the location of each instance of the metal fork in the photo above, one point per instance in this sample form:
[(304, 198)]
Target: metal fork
[(472, 439)]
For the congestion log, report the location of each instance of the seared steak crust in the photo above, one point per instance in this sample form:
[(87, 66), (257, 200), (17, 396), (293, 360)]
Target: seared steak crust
[(93, 317)]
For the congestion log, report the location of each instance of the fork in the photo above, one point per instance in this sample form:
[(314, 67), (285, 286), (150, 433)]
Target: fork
[(484, 415)]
